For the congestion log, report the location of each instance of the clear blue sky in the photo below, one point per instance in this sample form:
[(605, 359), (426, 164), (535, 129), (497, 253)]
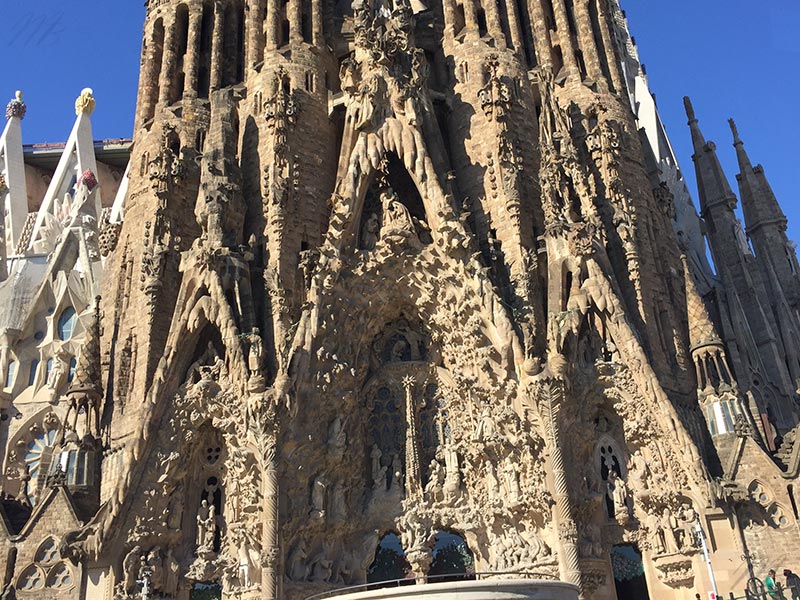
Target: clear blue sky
[(733, 57)]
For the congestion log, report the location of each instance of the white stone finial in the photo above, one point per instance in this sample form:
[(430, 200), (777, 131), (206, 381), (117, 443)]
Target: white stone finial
[(16, 108), (85, 103)]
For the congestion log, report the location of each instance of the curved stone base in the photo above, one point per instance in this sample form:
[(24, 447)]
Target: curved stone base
[(502, 589)]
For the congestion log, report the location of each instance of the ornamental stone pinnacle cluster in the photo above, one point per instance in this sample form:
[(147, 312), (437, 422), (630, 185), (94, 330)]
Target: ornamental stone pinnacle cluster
[(391, 289)]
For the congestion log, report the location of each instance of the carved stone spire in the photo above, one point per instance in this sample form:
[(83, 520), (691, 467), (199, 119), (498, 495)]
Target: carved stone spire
[(711, 181), (759, 204)]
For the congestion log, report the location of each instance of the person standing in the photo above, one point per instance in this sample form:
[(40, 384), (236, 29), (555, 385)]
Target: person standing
[(772, 587), (792, 583)]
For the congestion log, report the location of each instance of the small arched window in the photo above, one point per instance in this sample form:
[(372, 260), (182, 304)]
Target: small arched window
[(66, 323), (32, 372), (73, 362), (48, 368), (12, 370)]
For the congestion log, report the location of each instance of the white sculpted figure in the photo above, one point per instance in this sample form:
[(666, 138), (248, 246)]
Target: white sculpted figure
[(618, 492), (206, 526), (511, 478), (436, 477)]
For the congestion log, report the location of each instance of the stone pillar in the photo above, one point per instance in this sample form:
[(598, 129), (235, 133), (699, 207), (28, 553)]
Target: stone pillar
[(449, 12), (317, 16), (541, 36), (608, 42), (515, 28), (295, 9), (273, 8), (217, 43), (494, 25), (549, 396), (192, 61), (255, 32), (591, 58), (471, 15), (168, 64), (565, 37), (269, 543)]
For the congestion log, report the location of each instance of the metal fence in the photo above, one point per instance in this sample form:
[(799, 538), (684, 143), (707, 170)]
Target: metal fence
[(757, 591)]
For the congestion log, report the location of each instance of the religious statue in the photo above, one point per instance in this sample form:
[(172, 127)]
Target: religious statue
[(668, 531), (206, 526), (171, 574), (130, 568), (436, 477), (618, 492), (511, 478), (370, 231), (319, 491), (378, 470)]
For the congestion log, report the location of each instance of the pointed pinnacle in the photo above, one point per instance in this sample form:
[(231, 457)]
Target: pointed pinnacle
[(687, 104), (735, 131)]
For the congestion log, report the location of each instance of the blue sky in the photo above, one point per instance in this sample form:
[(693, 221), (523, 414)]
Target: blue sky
[(731, 59)]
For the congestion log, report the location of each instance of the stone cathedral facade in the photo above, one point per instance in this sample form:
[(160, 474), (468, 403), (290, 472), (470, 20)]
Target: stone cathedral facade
[(391, 268)]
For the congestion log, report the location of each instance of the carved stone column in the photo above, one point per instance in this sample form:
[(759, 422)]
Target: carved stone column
[(295, 15), (272, 25), (541, 36), (192, 62), (413, 483), (255, 35), (548, 397), (565, 38), (264, 425), (609, 45), (316, 23), (586, 40), (165, 80), (217, 44), (494, 25)]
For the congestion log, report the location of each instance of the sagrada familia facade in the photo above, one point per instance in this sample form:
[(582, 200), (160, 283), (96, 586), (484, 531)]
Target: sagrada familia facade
[(391, 269)]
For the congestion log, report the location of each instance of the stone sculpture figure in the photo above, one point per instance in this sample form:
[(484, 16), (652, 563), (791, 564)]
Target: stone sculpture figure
[(297, 569), (319, 492), (511, 479), (669, 529), (370, 232), (337, 438), (171, 574), (130, 568), (618, 492), (156, 564), (436, 478), (378, 470), (206, 526), (688, 519)]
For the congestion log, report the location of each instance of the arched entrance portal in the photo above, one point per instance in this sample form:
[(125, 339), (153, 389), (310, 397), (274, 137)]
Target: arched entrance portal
[(390, 561), (626, 561), (452, 558)]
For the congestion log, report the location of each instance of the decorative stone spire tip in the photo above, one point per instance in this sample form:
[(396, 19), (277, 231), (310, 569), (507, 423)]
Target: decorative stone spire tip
[(85, 103), (735, 131), (687, 104), (16, 108)]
